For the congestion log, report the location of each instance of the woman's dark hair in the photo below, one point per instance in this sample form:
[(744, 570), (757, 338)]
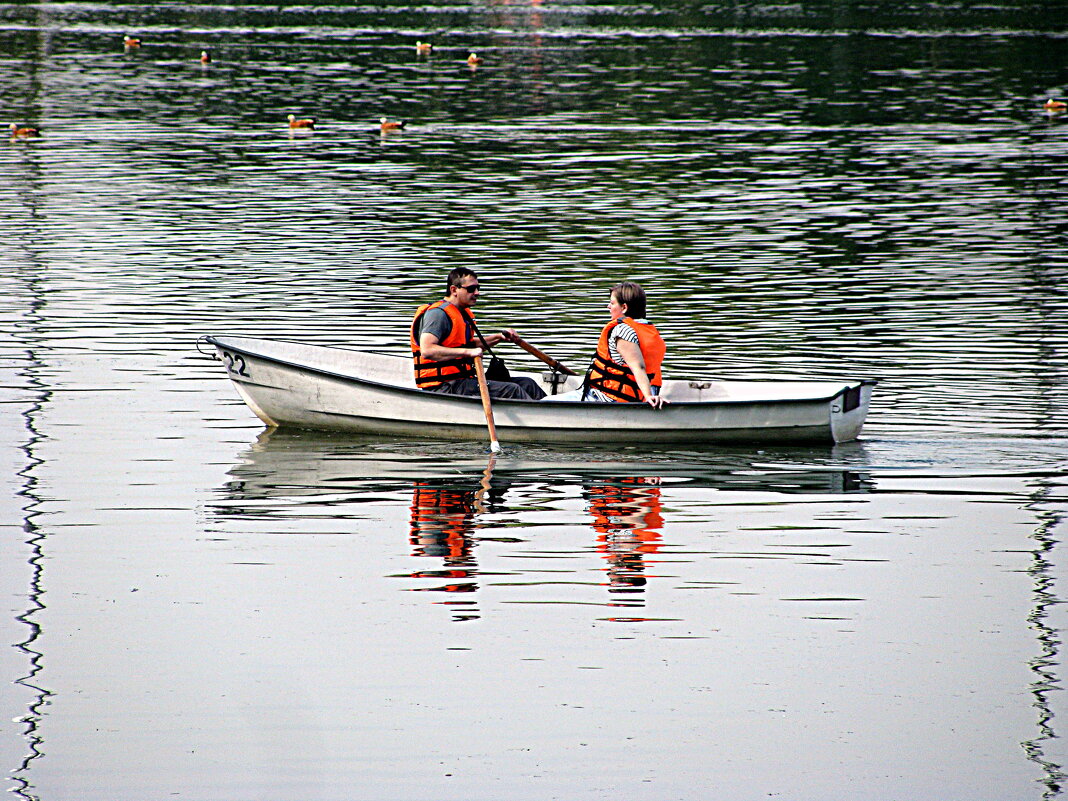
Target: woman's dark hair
[(632, 296)]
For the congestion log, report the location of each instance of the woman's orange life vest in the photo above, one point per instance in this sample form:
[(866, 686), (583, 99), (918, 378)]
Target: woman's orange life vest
[(617, 380), (430, 373)]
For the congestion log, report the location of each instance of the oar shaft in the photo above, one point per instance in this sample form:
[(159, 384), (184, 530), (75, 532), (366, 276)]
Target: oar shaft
[(549, 360), (487, 407)]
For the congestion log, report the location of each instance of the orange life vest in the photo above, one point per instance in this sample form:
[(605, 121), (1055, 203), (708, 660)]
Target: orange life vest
[(430, 373), (617, 380)]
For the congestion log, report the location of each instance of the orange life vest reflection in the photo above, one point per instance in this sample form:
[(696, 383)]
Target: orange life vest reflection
[(443, 519), (627, 518), (441, 524)]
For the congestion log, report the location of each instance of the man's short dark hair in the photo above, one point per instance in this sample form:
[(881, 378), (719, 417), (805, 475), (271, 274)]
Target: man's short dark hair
[(457, 276), (632, 295)]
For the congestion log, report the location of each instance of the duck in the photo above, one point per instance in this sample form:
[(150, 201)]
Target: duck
[(473, 60), (388, 125), (423, 48), (23, 130), (1055, 106), (305, 123), (205, 57), (131, 42)]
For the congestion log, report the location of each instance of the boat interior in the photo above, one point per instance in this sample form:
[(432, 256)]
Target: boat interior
[(397, 370)]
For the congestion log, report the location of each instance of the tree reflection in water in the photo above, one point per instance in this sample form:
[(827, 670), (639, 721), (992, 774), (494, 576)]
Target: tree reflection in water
[(1045, 665)]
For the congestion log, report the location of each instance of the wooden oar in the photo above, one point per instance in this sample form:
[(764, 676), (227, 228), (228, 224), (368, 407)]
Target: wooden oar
[(549, 360), (483, 390)]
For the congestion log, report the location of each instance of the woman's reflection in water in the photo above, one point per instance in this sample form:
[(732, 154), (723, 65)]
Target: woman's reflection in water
[(442, 522), (627, 519)]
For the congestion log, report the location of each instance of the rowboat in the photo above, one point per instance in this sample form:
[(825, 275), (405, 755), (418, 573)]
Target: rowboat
[(294, 385)]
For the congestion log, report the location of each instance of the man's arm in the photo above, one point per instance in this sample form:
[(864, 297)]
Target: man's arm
[(429, 347), (435, 327)]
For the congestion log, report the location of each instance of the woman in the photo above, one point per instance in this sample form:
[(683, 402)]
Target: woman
[(630, 351)]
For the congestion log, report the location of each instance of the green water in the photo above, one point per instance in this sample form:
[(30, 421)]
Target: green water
[(204, 610)]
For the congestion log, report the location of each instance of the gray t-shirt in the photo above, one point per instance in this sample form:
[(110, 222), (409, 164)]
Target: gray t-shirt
[(437, 322)]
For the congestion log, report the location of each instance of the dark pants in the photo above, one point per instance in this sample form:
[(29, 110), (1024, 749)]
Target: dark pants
[(518, 388)]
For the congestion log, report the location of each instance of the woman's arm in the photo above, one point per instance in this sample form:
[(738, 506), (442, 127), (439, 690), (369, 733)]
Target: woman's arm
[(632, 355)]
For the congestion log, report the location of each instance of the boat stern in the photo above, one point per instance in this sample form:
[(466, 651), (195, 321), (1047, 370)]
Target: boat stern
[(849, 409)]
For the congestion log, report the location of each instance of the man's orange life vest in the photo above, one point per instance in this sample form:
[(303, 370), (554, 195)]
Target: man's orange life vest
[(617, 380), (430, 373)]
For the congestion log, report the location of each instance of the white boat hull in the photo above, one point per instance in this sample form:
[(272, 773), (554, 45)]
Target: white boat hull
[(309, 386)]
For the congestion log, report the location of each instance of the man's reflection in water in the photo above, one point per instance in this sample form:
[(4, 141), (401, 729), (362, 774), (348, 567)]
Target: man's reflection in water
[(627, 519), (442, 522)]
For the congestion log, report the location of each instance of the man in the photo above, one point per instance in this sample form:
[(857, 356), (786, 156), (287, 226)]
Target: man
[(445, 342)]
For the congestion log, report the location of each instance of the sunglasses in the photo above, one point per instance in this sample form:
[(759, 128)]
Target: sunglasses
[(469, 287)]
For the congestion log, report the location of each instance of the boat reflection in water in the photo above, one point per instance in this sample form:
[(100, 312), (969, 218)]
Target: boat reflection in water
[(458, 499)]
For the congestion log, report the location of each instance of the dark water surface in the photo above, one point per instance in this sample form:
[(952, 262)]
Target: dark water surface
[(200, 609)]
